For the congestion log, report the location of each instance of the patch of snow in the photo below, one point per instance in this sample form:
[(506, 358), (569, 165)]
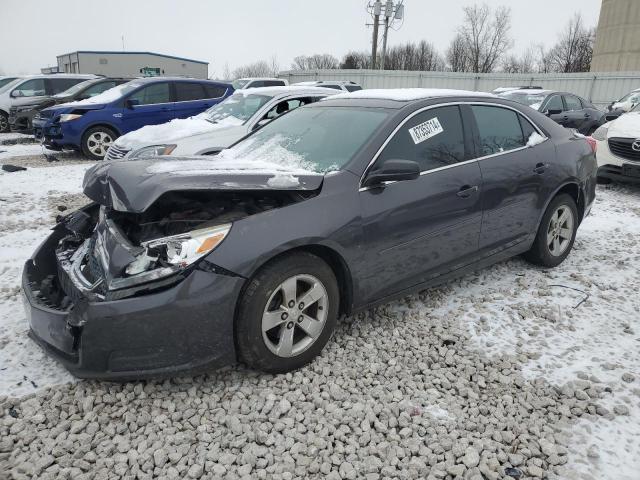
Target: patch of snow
[(173, 130), (25, 222), (195, 166), (107, 96), (283, 181), (408, 94), (535, 139), (8, 151)]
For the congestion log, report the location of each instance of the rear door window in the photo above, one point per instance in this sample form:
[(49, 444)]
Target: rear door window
[(573, 103), (59, 85), (255, 84), (187, 91), (335, 87), (555, 103), (152, 94), (498, 128), (353, 88), (433, 138), (31, 88), (273, 83)]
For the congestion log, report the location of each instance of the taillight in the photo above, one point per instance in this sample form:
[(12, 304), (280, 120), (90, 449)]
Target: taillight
[(592, 143)]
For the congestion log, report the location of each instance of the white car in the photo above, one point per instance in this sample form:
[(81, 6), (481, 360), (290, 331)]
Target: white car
[(254, 82), (619, 148), (216, 128), (28, 90), (343, 85), (627, 102)]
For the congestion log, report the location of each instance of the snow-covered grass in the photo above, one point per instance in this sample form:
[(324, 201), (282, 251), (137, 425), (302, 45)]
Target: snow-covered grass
[(24, 223)]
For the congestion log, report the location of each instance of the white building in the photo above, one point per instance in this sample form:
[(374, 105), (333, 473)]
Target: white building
[(131, 64)]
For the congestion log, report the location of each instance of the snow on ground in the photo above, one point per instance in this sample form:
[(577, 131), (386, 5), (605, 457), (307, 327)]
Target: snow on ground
[(24, 223)]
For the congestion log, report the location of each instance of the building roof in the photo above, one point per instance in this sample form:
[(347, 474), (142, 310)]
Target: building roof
[(115, 52), (408, 94)]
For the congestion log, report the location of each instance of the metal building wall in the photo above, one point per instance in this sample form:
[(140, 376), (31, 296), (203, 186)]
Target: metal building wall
[(600, 88)]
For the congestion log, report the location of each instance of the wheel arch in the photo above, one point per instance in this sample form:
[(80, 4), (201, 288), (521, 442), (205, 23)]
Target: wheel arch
[(101, 124), (332, 258)]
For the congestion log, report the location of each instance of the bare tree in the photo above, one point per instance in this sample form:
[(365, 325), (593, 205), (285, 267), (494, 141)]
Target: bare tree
[(261, 68), (525, 63), (457, 55), (318, 61), (574, 50), (410, 56), (484, 36), (356, 61), (226, 73)]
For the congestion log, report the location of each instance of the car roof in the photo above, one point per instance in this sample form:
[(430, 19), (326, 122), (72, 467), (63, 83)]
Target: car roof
[(285, 90), (260, 78)]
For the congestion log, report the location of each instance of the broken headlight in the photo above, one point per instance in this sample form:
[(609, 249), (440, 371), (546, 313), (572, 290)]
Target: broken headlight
[(153, 151), (165, 256)]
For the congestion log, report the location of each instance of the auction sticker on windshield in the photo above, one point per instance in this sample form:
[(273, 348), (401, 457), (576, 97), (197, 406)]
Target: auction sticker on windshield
[(426, 130)]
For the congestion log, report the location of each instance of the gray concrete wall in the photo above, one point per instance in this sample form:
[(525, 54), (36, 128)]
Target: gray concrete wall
[(129, 65), (617, 47)]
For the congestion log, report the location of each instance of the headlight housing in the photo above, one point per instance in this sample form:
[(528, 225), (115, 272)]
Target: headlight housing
[(67, 117), (153, 151), (601, 133), (165, 256)]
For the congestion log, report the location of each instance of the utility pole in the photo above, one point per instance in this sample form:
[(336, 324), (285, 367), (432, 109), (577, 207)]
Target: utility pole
[(377, 10), (391, 12)]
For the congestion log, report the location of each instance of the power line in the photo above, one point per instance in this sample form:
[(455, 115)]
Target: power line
[(390, 12)]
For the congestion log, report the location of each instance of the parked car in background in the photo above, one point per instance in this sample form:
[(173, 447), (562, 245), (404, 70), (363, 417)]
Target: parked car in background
[(567, 109), (624, 105), (21, 117), (344, 85), (253, 255), (218, 127), (5, 80), (244, 83), (499, 90), (619, 148), (93, 124), (33, 88)]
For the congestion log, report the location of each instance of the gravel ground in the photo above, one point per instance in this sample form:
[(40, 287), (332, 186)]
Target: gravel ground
[(498, 375)]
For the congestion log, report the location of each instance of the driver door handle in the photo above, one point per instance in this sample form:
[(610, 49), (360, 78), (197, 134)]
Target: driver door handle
[(467, 190), (541, 168)]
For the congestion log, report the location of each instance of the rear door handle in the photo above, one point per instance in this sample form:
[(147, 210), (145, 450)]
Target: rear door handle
[(467, 190), (540, 168)]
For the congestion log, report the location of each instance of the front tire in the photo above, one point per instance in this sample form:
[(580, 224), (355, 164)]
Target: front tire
[(556, 233), (287, 313), (96, 141), (4, 123)]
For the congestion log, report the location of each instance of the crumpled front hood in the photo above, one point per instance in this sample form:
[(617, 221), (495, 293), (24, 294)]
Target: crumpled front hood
[(133, 186), (627, 126), (69, 107)]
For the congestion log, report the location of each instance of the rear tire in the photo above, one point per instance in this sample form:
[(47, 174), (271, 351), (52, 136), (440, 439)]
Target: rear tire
[(556, 233), (96, 141), (4, 123), (275, 330)]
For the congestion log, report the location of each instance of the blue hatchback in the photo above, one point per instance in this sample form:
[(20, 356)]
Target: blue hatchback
[(92, 125)]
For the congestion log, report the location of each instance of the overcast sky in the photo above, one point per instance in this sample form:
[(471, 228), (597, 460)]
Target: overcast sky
[(241, 31)]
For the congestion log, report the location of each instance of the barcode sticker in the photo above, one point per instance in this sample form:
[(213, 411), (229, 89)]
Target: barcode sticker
[(426, 130)]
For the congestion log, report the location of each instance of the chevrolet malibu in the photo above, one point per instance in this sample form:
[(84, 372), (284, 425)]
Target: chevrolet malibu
[(184, 264)]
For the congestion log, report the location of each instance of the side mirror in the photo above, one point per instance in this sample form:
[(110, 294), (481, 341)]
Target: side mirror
[(132, 103), (16, 93), (548, 113), (393, 171)]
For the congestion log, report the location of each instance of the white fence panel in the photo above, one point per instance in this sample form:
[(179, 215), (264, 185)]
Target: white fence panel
[(600, 88)]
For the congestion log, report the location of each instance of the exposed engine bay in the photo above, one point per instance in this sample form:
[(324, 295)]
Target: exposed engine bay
[(107, 254)]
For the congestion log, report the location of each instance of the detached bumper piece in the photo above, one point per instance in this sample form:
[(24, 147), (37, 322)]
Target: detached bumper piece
[(182, 328), (626, 173)]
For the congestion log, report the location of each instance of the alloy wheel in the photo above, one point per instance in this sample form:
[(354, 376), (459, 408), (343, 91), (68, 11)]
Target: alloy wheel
[(98, 143), (4, 123), (295, 315), (560, 231)]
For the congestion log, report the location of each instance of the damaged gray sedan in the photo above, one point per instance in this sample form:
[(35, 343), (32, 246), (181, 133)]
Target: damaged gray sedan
[(194, 263)]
